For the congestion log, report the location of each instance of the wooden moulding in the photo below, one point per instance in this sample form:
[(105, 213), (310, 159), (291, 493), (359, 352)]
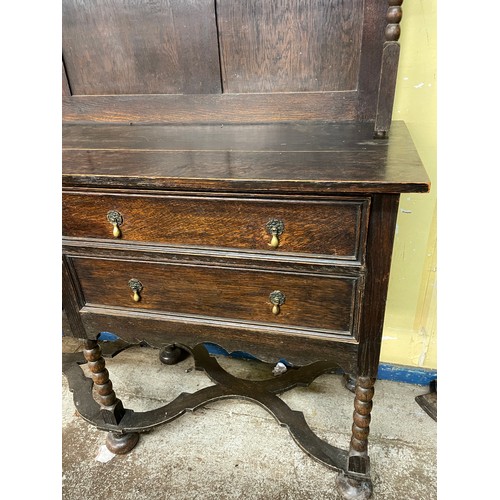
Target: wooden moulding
[(211, 108)]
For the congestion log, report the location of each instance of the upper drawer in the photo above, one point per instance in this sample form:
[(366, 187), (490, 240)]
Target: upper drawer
[(333, 228)]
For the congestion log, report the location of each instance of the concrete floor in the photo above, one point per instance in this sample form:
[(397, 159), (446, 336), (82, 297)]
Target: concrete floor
[(236, 450)]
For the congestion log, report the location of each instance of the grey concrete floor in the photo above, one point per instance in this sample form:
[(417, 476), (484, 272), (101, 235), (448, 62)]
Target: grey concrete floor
[(234, 449)]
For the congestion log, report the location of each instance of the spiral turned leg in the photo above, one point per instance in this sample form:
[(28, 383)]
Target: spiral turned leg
[(112, 410), (352, 487)]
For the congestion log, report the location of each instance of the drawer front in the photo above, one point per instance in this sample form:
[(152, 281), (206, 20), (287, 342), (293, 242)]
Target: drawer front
[(323, 303), (335, 228)]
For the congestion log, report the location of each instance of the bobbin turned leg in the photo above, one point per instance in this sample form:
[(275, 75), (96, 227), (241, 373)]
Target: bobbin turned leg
[(112, 409), (355, 484)]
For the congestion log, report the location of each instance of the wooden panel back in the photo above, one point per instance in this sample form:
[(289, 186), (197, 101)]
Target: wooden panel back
[(290, 45), (136, 47), (221, 61)]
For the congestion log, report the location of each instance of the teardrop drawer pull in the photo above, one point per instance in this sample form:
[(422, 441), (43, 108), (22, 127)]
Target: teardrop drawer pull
[(277, 298), (136, 287), (116, 219), (275, 228)]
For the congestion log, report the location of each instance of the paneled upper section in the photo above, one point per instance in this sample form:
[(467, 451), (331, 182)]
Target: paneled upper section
[(140, 47), (192, 61), (290, 45)]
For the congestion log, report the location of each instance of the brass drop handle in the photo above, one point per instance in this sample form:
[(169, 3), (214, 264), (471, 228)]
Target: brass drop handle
[(277, 299), (136, 287), (275, 228), (114, 217)]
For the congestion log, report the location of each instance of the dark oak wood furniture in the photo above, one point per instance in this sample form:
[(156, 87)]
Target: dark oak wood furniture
[(229, 177)]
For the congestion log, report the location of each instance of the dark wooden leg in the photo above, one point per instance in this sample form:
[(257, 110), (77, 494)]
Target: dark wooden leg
[(355, 484), (112, 409), (349, 381), (362, 416), (171, 355), (120, 444)]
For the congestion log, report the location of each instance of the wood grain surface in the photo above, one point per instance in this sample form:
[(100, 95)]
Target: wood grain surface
[(134, 47), (335, 229), (165, 61), (379, 247), (214, 108), (290, 45), (293, 157), (266, 342), (200, 120), (387, 87), (322, 303)]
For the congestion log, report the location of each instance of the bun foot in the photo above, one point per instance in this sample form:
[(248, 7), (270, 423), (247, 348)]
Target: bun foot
[(171, 355), (120, 444), (349, 382), (354, 489)]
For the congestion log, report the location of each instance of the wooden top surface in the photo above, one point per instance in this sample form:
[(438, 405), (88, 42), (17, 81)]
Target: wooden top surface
[(313, 157)]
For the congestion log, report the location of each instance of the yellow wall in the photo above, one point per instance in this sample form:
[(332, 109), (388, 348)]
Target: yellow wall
[(410, 323)]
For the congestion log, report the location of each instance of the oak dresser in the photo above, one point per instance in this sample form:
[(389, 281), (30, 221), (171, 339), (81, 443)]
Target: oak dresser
[(231, 176)]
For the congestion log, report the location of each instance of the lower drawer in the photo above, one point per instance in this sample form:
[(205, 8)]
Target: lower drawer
[(322, 304)]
